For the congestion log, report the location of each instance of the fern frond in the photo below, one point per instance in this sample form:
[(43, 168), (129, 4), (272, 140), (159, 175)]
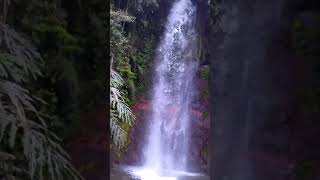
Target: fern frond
[(118, 135), (119, 112), (17, 46), (22, 126)]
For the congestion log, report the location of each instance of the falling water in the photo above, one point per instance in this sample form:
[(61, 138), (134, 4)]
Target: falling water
[(167, 150), (169, 130)]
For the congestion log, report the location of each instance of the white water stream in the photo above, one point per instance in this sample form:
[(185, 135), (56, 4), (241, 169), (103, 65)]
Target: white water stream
[(166, 150)]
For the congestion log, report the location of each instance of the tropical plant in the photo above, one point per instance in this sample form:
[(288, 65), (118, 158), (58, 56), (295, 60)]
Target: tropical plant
[(120, 111), (28, 149)]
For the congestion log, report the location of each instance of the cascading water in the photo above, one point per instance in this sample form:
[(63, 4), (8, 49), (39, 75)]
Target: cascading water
[(167, 149), (167, 146)]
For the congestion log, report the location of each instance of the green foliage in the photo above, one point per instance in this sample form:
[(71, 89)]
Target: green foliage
[(128, 73), (48, 25), (69, 42), (118, 41), (120, 47), (204, 72), (143, 59), (132, 47), (24, 134), (22, 50), (72, 80), (120, 113)]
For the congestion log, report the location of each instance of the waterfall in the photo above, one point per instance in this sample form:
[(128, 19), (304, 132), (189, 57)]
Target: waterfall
[(173, 90)]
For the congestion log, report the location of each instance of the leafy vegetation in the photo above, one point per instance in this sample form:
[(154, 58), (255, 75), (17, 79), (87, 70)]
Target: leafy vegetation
[(24, 134), (120, 111), (52, 70), (131, 54)]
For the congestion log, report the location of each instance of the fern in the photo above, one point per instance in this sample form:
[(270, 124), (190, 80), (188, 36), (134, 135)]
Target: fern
[(23, 128), (120, 111)]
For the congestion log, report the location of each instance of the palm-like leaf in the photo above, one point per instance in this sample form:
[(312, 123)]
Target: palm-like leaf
[(120, 111), (21, 125)]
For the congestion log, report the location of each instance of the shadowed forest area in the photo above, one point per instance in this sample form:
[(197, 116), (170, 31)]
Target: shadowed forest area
[(53, 74)]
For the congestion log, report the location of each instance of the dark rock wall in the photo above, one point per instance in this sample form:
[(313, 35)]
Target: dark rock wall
[(251, 90), (89, 151), (256, 132)]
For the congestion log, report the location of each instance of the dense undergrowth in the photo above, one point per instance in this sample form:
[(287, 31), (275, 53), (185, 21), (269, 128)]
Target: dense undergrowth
[(52, 69)]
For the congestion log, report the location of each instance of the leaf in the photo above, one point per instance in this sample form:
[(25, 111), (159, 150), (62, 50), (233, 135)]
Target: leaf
[(120, 111), (21, 123)]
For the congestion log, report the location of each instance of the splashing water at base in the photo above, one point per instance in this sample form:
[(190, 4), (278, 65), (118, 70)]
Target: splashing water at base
[(139, 173), (145, 174)]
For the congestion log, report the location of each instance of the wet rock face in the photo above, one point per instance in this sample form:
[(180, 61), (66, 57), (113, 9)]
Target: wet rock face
[(251, 91), (142, 110), (200, 125), (89, 151), (255, 133)]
